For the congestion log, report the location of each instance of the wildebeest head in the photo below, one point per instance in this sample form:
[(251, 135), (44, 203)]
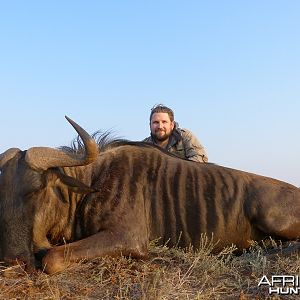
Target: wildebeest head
[(24, 180)]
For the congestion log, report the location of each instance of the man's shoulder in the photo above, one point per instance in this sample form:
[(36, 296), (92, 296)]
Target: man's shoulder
[(186, 132)]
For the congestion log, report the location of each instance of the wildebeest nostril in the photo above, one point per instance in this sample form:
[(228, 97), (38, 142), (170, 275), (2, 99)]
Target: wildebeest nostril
[(38, 258)]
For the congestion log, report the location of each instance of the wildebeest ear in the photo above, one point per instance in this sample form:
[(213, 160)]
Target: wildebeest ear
[(75, 185)]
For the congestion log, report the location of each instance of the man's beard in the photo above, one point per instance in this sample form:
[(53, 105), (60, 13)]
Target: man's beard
[(161, 138)]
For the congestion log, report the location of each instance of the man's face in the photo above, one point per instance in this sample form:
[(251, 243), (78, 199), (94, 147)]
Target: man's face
[(161, 126)]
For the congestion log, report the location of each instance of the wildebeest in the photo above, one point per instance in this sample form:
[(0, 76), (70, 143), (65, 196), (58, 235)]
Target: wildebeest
[(114, 199)]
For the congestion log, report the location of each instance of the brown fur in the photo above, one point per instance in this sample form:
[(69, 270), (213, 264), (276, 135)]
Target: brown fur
[(131, 194)]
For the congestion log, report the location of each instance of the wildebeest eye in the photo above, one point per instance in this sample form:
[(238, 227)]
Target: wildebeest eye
[(33, 181)]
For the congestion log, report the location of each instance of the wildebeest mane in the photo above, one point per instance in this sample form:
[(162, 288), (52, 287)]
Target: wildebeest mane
[(106, 140)]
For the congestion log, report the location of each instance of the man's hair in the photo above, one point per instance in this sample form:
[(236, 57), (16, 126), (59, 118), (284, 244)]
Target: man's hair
[(160, 108)]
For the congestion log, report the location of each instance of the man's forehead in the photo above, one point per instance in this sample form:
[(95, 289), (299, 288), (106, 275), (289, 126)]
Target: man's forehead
[(161, 116)]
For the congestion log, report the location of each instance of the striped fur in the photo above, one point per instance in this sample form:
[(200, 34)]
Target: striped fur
[(134, 193)]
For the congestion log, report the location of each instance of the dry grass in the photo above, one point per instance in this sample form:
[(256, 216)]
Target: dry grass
[(166, 274)]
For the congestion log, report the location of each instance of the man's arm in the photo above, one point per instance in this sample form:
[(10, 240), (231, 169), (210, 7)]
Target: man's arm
[(193, 148)]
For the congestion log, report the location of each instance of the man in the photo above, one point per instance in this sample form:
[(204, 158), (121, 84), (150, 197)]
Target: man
[(166, 134)]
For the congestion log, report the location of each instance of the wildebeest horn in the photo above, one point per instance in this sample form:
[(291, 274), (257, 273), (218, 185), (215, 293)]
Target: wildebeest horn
[(7, 155), (42, 158)]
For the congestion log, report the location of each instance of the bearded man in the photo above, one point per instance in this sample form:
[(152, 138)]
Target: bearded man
[(166, 134)]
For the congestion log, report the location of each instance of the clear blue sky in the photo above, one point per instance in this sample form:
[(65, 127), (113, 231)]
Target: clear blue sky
[(229, 69)]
